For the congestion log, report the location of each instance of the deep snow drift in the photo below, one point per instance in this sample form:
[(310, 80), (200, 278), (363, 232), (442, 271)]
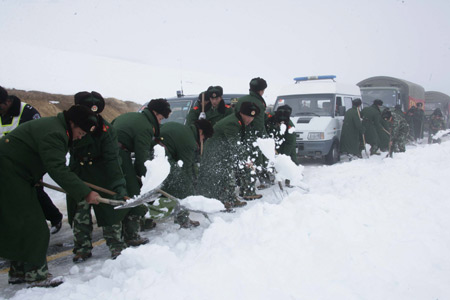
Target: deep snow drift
[(373, 228)]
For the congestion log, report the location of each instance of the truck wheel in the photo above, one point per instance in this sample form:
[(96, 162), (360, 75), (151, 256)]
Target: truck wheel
[(333, 156)]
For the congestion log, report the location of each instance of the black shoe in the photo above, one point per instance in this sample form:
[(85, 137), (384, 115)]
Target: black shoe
[(137, 242), (115, 253), (46, 283), (56, 228), (252, 197), (81, 257), (147, 224), (16, 279), (190, 223)]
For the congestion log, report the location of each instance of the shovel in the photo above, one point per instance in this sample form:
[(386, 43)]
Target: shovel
[(147, 197), (99, 199)]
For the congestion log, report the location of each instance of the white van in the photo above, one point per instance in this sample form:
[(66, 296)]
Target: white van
[(318, 106)]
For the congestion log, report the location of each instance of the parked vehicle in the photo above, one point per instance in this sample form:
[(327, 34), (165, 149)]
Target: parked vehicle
[(391, 91), (182, 104), (318, 107)]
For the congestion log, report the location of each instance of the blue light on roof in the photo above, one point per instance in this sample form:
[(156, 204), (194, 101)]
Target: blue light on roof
[(306, 78)]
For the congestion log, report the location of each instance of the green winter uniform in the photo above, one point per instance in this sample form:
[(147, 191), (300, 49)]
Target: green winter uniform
[(436, 124), (258, 124), (399, 133), (181, 144), (384, 135), (95, 159), (135, 132), (352, 130), (27, 153), (371, 121), (257, 129), (285, 142), (223, 153), (213, 115)]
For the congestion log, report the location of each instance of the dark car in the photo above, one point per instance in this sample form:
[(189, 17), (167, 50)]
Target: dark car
[(182, 104)]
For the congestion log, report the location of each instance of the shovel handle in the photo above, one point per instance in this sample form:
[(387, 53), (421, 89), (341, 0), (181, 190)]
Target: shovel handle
[(110, 201)]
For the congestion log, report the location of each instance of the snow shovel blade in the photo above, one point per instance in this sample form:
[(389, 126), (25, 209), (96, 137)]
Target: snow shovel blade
[(147, 197)]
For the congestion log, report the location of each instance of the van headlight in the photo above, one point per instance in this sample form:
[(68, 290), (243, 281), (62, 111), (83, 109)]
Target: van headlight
[(316, 136)]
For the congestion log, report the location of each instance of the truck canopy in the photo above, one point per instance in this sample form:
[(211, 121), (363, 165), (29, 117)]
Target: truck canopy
[(409, 93)]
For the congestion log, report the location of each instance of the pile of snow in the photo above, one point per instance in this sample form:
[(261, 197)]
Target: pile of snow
[(373, 228)]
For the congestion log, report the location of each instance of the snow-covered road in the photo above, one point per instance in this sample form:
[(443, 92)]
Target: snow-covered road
[(368, 229)]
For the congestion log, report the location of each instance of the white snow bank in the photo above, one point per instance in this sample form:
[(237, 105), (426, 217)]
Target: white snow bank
[(368, 229)]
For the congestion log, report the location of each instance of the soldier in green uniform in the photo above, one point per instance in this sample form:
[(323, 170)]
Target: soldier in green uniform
[(399, 132), (95, 159), (136, 132), (371, 121), (352, 130), (383, 133), (280, 127), (436, 124), (418, 120), (14, 112), (27, 153), (215, 107), (182, 145), (257, 129), (225, 154)]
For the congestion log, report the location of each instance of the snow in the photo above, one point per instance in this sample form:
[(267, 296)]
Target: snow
[(367, 229)]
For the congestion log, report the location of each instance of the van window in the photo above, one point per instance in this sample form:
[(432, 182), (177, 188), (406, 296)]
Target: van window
[(312, 105), (348, 102)]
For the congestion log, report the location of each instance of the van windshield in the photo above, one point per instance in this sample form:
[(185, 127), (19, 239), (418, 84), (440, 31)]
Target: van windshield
[(308, 105)]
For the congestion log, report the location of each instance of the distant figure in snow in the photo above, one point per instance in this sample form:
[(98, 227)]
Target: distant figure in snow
[(352, 130), (372, 123), (436, 124)]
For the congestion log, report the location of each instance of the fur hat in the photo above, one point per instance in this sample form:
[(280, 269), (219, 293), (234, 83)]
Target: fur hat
[(386, 114), (82, 117), (378, 102), (257, 84), (249, 109), (161, 106), (206, 126), (3, 95), (283, 113), (214, 92), (356, 102), (92, 100)]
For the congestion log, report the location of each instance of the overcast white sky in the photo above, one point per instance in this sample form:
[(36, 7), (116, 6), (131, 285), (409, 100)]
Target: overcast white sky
[(138, 50)]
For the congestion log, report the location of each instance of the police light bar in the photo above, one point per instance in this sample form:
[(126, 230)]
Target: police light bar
[(306, 78)]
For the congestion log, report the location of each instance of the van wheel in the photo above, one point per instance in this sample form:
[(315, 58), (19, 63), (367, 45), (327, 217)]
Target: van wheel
[(333, 156)]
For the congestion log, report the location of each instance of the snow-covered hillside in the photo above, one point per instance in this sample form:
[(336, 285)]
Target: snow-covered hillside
[(373, 228)]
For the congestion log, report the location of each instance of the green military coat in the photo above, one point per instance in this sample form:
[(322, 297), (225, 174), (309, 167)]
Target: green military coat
[(213, 115), (26, 154), (371, 121), (135, 133), (181, 144), (258, 123), (95, 159), (222, 154), (384, 134), (286, 142), (352, 130)]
